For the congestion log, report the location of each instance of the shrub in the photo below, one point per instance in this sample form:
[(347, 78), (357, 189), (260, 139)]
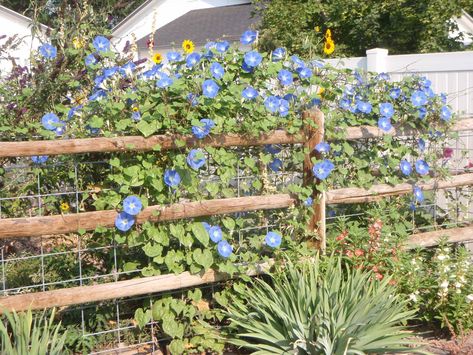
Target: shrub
[(310, 309), (26, 333)]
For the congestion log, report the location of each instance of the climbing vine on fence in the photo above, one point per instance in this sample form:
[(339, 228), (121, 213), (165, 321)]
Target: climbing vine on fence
[(219, 90)]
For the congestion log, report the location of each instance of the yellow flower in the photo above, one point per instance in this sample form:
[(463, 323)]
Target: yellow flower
[(320, 91), (78, 42), (317, 29), (329, 46), (65, 207), (188, 46), (157, 58), (328, 34), (135, 109)]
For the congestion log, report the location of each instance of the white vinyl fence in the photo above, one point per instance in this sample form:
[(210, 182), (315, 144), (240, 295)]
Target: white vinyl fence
[(450, 73)]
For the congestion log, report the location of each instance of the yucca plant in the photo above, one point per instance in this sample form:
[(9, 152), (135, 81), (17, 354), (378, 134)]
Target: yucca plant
[(23, 333), (307, 309)]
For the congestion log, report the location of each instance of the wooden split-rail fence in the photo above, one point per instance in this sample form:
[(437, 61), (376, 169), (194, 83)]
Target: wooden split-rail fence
[(87, 221)]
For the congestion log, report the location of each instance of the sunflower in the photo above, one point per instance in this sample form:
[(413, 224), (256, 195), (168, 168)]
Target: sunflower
[(188, 46), (78, 42), (157, 58), (328, 34), (329, 46), (64, 207)]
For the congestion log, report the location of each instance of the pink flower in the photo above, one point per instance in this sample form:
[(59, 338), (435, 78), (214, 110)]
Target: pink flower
[(447, 153)]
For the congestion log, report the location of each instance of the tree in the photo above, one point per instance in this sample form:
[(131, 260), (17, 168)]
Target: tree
[(402, 26)]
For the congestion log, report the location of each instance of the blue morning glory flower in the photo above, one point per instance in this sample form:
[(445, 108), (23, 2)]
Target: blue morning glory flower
[(196, 159), (173, 56), (73, 112), (128, 69), (60, 130), (48, 51), (304, 72), (429, 92), (383, 76), (97, 95), (314, 102), (283, 107), (395, 93), (363, 106), (298, 62), (290, 98), (406, 167), (136, 116), (445, 113), (164, 81), (323, 169), (101, 44), (203, 129), (192, 98), (412, 206), (172, 178), (273, 239), (275, 165), (322, 147), (132, 205), (421, 144), (443, 98), (386, 109), (422, 167), (108, 72), (285, 77), (206, 226), (272, 103), (252, 59), (249, 93), (90, 60), (426, 83), (192, 59), (345, 104), (210, 88), (349, 90), (217, 70), (248, 37), (418, 194), (222, 46), (224, 249), (272, 149), (278, 54), (384, 123), (124, 221), (39, 159), (50, 121), (215, 234), (246, 68), (418, 98), (309, 201), (422, 112)]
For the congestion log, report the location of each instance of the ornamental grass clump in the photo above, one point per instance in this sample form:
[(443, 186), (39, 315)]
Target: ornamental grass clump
[(320, 308)]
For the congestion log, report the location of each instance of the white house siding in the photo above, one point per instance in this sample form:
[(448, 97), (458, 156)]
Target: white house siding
[(12, 23)]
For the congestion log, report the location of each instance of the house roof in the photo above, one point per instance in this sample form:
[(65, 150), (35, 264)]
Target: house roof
[(201, 25), (23, 19)]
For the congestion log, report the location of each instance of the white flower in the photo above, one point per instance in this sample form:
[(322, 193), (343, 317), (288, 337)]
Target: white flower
[(413, 297), (441, 257), (458, 285), (469, 298), (444, 284)]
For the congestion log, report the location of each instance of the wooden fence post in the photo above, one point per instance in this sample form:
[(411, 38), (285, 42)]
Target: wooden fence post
[(314, 132)]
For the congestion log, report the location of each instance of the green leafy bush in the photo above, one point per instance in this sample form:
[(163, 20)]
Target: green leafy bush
[(313, 308), (25, 333)]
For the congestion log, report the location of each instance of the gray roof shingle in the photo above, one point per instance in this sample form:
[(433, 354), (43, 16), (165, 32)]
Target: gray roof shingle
[(201, 25)]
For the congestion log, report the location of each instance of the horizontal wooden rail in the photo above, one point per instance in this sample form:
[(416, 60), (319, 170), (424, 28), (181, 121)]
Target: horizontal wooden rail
[(154, 284), (139, 143), (112, 290), (165, 142), (377, 192), (70, 223), (430, 239)]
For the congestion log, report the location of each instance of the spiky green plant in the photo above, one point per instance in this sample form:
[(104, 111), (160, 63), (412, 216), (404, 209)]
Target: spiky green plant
[(308, 309), (23, 333)]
